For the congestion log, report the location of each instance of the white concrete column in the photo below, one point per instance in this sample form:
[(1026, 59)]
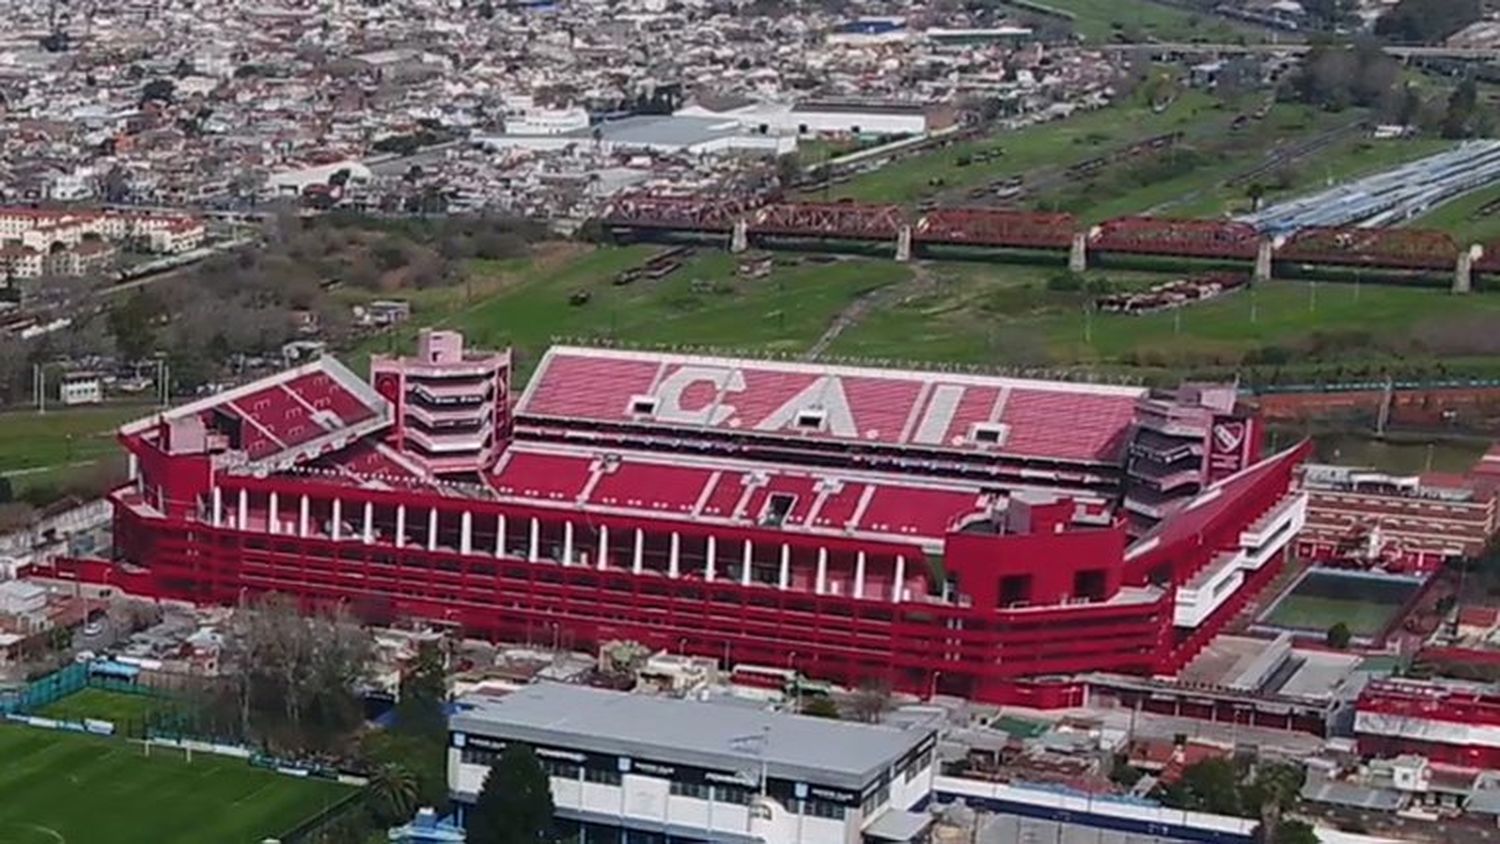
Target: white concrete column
[(432, 524), (821, 584), (216, 507), (273, 513), (466, 533), (534, 551), (242, 520), (638, 561), (132, 466), (859, 575), (745, 566), (500, 535), (785, 581), (337, 527), (400, 525), (303, 517), (603, 547), (673, 557), (708, 568), (567, 543), (899, 585), (369, 531)]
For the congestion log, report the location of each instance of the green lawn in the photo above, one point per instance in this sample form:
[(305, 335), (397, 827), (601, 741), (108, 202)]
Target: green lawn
[(1103, 20), (1461, 218), (31, 440), (1303, 612), (104, 705), (1347, 159), (1200, 191), (1002, 314), (703, 303), (66, 788), (1058, 143)]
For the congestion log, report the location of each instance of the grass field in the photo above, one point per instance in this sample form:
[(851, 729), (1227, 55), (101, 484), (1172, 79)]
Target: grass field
[(103, 705), (1299, 612), (1347, 159), (1060, 142), (1323, 598), (1102, 20), (1460, 217), (65, 788), (30, 440), (993, 313), (703, 303)]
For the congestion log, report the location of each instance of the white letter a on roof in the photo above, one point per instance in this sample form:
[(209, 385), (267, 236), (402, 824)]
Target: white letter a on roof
[(824, 396)]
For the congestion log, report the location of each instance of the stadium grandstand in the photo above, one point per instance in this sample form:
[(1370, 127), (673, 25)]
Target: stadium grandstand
[(941, 532)]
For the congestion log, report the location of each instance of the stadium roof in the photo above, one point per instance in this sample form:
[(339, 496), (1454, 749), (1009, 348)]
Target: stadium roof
[(709, 735), (919, 410), (290, 417)]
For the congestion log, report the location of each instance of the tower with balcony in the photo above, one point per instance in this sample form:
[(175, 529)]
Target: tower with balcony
[(452, 407)]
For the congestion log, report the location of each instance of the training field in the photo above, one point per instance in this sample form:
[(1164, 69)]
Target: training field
[(118, 707), (68, 788), (1324, 597)]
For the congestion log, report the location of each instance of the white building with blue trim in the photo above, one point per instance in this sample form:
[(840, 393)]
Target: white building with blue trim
[(636, 768)]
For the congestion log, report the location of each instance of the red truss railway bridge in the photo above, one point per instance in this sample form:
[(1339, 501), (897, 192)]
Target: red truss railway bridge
[(742, 221), (945, 533)]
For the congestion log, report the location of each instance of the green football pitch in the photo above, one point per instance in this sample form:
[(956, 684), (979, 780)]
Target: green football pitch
[(1325, 597), (121, 708), (68, 788)]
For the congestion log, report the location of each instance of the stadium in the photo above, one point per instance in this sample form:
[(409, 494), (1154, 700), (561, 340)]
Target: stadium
[(939, 532)]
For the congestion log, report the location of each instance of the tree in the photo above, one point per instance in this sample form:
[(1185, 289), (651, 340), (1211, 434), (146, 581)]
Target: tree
[(1426, 21), (158, 90), (1208, 786), (515, 804), (294, 674), (392, 793), (870, 702), (1339, 636), (131, 323), (1458, 120), (1275, 787), (424, 692), (1288, 832), (821, 707)]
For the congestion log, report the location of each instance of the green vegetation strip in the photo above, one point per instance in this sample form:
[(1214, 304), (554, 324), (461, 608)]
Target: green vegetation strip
[(65, 788)]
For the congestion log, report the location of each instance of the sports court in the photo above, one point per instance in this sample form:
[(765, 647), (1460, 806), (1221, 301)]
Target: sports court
[(70, 788), (1367, 602)]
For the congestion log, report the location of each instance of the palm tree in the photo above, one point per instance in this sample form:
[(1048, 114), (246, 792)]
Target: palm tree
[(392, 792)]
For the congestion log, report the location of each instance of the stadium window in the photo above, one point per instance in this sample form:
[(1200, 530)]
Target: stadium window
[(695, 790), (561, 770), (643, 405), (778, 506), (732, 794), (810, 419), (1089, 584), (603, 776), (1015, 589), (476, 756), (985, 433), (822, 809)]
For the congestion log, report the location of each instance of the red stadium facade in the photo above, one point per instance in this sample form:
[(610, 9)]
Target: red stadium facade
[(1445, 722), (940, 532)]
